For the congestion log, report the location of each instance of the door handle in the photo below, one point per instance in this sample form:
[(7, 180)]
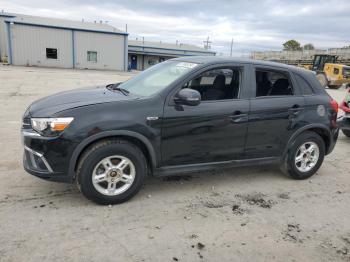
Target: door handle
[(238, 117), (295, 109)]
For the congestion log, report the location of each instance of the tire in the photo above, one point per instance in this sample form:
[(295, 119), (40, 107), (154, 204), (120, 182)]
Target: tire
[(292, 168), (334, 87), (115, 163), (322, 78), (346, 132)]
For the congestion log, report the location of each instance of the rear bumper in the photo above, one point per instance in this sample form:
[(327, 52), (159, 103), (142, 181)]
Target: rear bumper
[(333, 140)]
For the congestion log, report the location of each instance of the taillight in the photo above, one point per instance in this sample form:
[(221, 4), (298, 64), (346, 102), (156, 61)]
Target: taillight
[(334, 105)]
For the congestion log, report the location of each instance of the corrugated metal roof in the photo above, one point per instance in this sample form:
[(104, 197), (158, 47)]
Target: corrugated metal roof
[(63, 23), (169, 46)]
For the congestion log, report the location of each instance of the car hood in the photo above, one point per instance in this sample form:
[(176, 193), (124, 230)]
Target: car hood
[(52, 104)]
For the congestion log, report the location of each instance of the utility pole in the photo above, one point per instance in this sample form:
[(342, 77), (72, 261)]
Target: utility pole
[(231, 47), (126, 27), (207, 44)]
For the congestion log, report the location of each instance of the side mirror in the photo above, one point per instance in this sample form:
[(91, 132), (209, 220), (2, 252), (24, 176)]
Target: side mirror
[(187, 96)]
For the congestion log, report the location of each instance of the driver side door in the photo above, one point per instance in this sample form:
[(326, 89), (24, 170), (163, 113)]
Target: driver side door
[(213, 131)]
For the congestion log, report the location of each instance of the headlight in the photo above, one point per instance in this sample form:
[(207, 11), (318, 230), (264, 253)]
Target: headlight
[(50, 126)]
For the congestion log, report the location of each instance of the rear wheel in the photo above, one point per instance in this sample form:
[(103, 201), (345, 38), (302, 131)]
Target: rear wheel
[(111, 171), (346, 132), (322, 78), (305, 156)]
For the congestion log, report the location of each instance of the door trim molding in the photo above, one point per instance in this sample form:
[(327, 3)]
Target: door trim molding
[(181, 169)]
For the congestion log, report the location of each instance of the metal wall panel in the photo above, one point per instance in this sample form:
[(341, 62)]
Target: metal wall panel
[(110, 50), (3, 39), (29, 45)]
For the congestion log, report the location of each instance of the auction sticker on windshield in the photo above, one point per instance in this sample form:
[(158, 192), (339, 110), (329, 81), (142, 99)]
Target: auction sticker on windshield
[(187, 65)]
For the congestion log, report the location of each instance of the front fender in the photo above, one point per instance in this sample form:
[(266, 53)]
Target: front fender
[(91, 139)]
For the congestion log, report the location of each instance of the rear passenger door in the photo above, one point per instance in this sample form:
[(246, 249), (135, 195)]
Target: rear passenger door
[(276, 110)]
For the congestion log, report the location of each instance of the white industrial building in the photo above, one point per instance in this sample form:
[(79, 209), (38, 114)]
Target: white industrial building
[(47, 42), (143, 54), (36, 41)]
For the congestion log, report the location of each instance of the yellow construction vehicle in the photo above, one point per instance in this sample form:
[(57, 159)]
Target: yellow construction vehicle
[(329, 72)]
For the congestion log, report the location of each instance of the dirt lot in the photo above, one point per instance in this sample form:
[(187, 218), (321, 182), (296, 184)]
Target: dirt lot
[(244, 214)]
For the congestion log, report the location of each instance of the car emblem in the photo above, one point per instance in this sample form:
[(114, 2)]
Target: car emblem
[(152, 118)]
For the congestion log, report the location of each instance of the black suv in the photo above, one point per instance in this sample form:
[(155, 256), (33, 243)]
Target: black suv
[(182, 115)]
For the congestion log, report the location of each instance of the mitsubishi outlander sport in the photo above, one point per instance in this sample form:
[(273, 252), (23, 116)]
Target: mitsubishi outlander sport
[(182, 115)]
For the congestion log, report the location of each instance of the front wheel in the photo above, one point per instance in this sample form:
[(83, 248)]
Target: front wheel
[(305, 156), (111, 171)]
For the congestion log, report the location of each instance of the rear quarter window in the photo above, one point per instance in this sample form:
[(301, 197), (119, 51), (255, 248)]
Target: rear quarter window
[(304, 86)]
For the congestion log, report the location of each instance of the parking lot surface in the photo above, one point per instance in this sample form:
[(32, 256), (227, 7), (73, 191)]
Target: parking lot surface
[(241, 214)]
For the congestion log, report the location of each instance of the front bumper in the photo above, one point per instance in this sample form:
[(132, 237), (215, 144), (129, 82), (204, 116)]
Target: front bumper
[(36, 161), (46, 158)]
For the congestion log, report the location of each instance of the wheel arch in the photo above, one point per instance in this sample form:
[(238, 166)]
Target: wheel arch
[(319, 129), (139, 140)]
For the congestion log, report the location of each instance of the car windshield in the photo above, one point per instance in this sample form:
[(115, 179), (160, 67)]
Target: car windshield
[(156, 78)]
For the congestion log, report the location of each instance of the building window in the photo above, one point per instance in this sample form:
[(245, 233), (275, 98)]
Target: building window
[(92, 56), (51, 53)]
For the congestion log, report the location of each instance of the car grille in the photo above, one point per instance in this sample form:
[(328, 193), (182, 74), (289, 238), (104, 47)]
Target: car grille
[(26, 123)]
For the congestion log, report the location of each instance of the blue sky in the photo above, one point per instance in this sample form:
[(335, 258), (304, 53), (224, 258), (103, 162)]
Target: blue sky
[(254, 25)]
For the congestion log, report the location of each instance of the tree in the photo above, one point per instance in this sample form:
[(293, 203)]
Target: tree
[(308, 47), (291, 45)]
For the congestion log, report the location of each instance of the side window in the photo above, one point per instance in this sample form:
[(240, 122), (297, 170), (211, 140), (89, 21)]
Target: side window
[(217, 84), (272, 83), (335, 71), (304, 86)]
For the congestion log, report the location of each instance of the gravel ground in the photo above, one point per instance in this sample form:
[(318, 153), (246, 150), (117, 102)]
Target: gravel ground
[(242, 214)]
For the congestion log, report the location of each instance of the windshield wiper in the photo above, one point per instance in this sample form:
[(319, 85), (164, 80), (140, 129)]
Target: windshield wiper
[(116, 88)]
